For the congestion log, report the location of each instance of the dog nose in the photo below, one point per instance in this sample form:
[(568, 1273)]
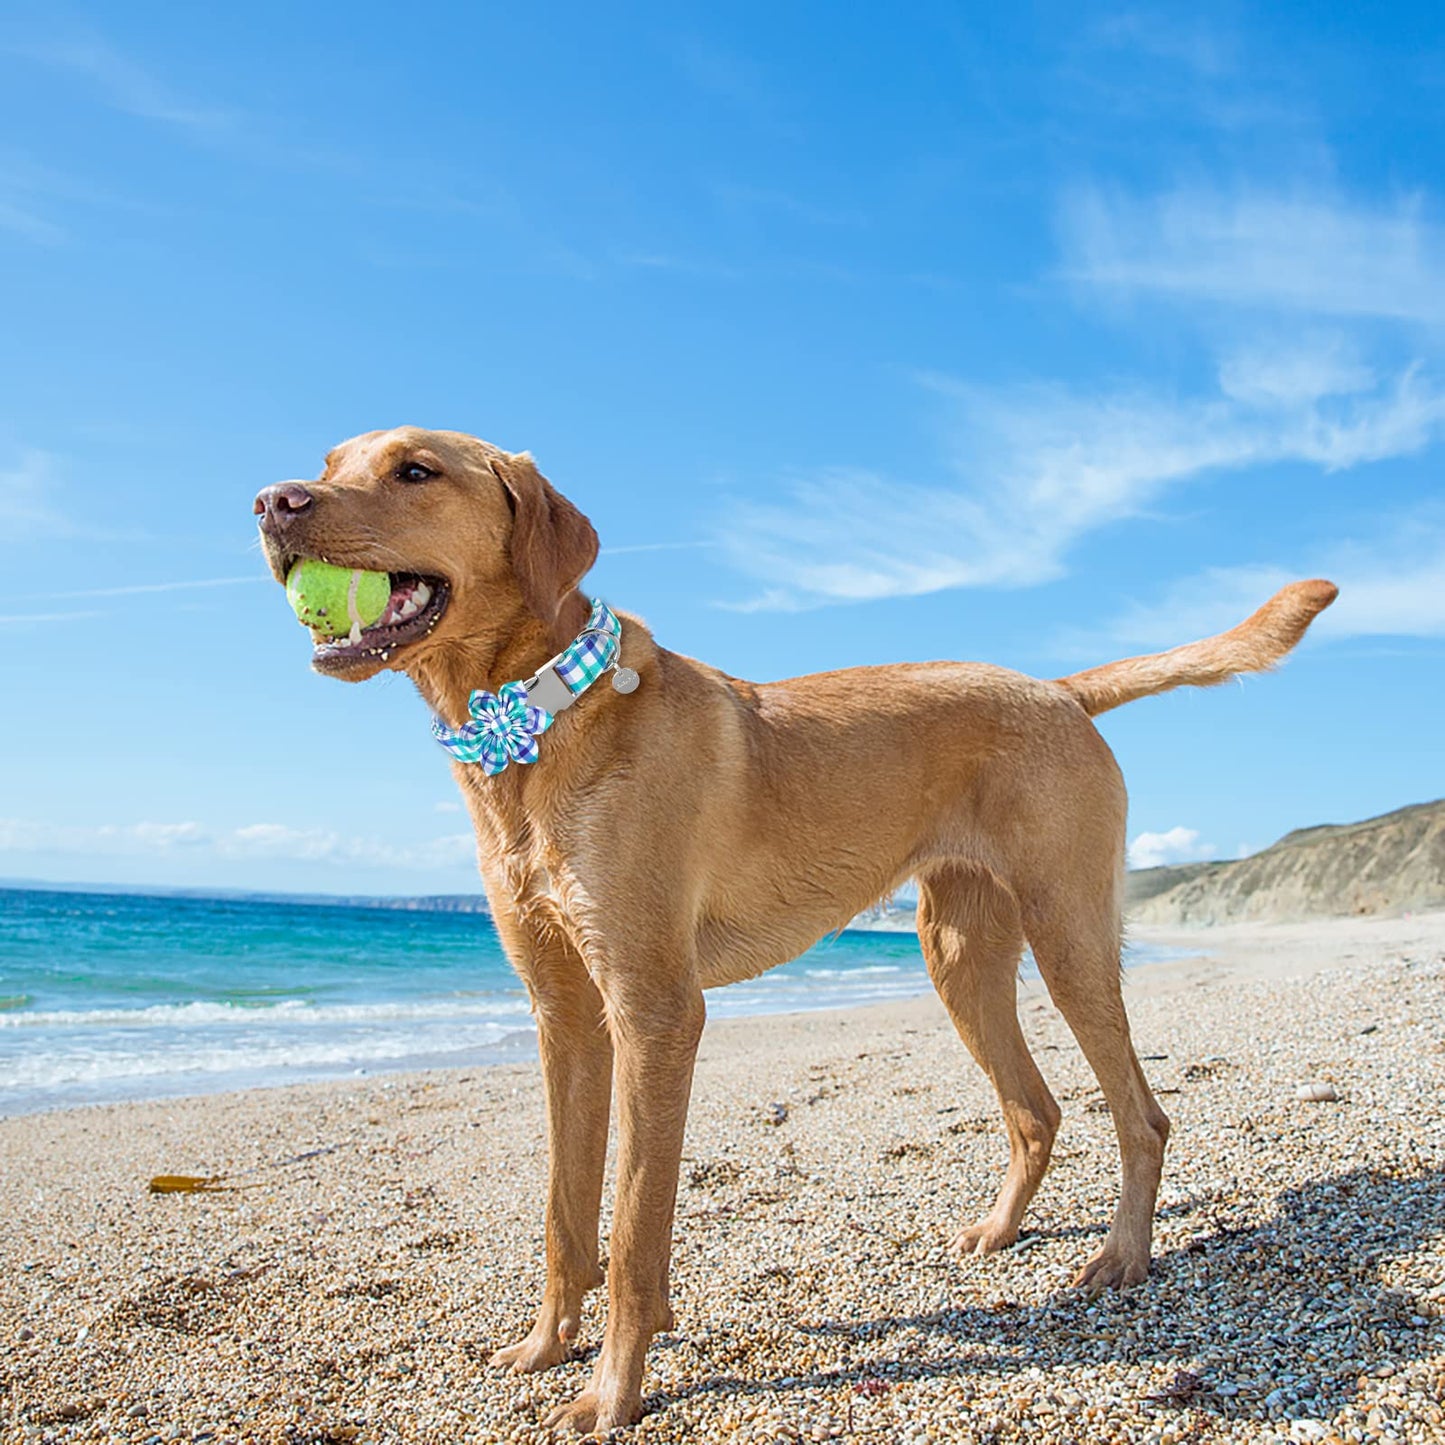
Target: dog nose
[(278, 504)]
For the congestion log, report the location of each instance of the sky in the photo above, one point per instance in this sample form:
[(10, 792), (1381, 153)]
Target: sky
[(1034, 335)]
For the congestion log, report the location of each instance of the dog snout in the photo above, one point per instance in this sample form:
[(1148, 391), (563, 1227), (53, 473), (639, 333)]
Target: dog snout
[(278, 505)]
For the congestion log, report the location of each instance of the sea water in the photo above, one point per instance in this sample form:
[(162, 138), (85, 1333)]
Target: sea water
[(107, 996)]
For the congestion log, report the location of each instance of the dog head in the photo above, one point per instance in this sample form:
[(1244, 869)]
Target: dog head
[(475, 539)]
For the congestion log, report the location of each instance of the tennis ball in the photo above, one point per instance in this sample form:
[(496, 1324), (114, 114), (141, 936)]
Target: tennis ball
[(336, 600)]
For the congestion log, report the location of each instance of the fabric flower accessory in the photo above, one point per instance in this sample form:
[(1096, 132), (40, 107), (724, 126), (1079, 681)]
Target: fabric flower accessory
[(504, 728)]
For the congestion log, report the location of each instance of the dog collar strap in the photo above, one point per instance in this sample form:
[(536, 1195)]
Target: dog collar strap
[(504, 726)]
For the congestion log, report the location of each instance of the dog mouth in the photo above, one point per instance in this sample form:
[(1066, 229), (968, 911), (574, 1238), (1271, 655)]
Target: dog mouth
[(416, 605)]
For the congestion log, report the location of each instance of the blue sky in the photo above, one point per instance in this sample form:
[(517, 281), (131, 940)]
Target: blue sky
[(1037, 337)]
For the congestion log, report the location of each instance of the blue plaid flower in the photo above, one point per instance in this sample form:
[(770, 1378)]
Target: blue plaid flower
[(504, 725), (503, 729)]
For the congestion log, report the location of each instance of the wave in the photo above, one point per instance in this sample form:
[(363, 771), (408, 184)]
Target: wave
[(284, 1056), (859, 970), (286, 1011)]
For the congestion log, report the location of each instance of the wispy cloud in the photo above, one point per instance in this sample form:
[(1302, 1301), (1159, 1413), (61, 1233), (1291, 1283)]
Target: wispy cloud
[(27, 512), (1046, 466), (739, 200), (22, 220), (628, 547), (739, 82), (1186, 41), (698, 267), (280, 840), (1390, 586), (1178, 845), (44, 523), (99, 70), (119, 81), (253, 840), (1311, 252), (136, 589), (1036, 468), (31, 193)]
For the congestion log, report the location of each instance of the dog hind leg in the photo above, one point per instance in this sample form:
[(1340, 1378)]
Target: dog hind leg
[(969, 927), (1077, 950)]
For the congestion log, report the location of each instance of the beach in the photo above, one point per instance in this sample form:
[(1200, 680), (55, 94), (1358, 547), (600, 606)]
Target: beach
[(378, 1237)]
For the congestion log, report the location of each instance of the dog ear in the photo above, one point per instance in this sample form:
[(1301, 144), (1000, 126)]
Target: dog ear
[(553, 544)]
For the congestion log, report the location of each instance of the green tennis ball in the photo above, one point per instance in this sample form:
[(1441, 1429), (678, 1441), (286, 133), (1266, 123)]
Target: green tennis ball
[(336, 600)]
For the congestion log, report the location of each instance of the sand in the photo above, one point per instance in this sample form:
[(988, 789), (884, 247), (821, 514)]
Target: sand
[(1298, 1289)]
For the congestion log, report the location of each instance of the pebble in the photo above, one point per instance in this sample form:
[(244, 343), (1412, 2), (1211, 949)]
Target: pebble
[(1316, 1093), (1298, 1292)]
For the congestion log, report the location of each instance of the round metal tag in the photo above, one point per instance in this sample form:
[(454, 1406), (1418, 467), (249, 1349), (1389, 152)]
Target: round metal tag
[(625, 679)]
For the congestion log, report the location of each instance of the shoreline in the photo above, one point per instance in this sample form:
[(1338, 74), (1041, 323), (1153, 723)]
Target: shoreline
[(516, 1040), (356, 1293), (1256, 946)]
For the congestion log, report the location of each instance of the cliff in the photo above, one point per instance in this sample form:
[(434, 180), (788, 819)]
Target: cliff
[(1390, 864)]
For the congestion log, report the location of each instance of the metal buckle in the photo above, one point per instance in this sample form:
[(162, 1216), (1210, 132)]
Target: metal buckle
[(548, 692)]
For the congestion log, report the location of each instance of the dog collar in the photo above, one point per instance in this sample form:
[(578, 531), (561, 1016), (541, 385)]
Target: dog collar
[(504, 726)]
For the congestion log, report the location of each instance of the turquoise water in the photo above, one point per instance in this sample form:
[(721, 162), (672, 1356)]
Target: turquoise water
[(110, 996), (106, 996)]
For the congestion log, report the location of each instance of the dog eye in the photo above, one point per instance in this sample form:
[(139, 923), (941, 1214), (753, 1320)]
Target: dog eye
[(414, 472)]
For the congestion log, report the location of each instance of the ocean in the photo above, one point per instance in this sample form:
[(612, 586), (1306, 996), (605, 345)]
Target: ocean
[(107, 996)]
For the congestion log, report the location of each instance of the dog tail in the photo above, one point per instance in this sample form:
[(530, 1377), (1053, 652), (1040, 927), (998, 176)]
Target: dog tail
[(1254, 646)]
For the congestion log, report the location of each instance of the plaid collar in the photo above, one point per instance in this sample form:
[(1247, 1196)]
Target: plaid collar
[(504, 726)]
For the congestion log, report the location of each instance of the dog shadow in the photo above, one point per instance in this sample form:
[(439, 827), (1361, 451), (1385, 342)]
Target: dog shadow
[(1202, 1312)]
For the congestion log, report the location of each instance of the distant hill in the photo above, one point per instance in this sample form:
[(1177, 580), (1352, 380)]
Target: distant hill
[(1388, 864)]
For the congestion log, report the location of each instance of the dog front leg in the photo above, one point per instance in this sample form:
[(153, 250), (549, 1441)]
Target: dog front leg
[(576, 1054), (656, 1024)]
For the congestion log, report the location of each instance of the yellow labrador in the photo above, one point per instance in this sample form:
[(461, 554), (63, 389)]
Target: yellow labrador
[(702, 829)]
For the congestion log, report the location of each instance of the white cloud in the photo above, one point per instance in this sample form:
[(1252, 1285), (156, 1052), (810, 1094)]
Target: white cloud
[(1317, 253), (1047, 466), (254, 840), (280, 840), (19, 835), (1178, 845), (1295, 373), (1392, 585), (1038, 468), (161, 835)]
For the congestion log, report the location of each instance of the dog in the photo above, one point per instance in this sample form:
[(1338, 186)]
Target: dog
[(641, 846)]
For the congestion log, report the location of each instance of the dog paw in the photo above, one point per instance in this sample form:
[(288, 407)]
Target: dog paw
[(1114, 1267), (590, 1414), (539, 1351), (986, 1237)]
